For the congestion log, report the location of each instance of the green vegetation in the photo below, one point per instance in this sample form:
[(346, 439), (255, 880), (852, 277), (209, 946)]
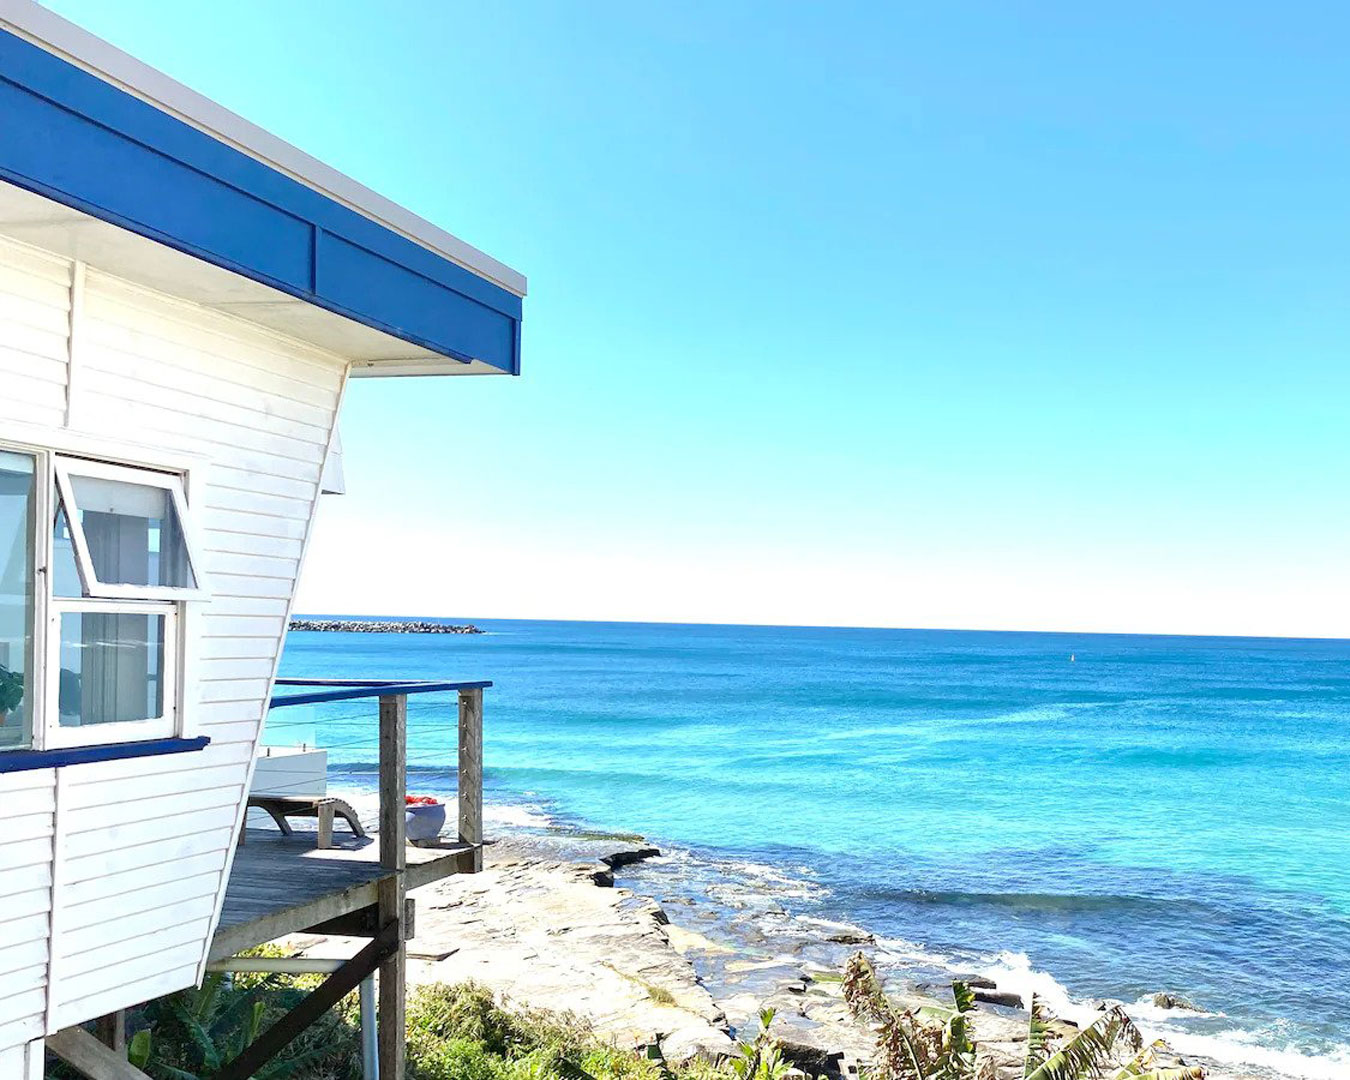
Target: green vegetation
[(454, 1033), (11, 690), (936, 1044)]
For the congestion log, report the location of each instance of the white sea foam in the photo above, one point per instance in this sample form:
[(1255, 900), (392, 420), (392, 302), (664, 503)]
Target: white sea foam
[(516, 816), (1014, 972)]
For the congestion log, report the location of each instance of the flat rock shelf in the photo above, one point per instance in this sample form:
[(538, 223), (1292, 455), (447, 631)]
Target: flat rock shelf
[(381, 626)]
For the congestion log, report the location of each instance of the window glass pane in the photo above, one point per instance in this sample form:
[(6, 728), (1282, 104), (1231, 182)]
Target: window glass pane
[(112, 668), (65, 571), (18, 520), (133, 532)]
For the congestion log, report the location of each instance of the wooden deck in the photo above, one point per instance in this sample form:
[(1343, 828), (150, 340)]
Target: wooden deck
[(285, 885)]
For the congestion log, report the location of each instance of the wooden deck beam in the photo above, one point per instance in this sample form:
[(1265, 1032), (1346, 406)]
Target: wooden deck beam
[(89, 1057)]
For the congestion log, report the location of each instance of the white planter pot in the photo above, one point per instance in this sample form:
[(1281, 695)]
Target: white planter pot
[(425, 822)]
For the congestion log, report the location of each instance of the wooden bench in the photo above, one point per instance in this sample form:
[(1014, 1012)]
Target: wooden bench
[(324, 808)]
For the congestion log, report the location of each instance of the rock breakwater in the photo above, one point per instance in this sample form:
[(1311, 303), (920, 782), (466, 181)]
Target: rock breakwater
[(381, 626)]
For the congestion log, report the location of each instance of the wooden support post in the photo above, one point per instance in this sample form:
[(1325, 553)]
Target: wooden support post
[(111, 1031), (393, 857), (471, 779)]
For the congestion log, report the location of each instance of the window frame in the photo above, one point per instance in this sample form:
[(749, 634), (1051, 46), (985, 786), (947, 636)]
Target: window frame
[(155, 727), (64, 466), (184, 475)]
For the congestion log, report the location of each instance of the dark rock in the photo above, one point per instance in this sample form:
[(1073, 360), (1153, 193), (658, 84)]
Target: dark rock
[(1174, 1001), (977, 982), (850, 937), (998, 997), (629, 856), (604, 878), (380, 626), (812, 1060)]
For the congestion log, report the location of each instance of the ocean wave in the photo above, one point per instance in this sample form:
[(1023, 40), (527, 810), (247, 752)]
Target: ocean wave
[(519, 816), (1013, 971)]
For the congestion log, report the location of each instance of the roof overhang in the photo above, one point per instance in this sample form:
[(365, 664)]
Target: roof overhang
[(120, 148)]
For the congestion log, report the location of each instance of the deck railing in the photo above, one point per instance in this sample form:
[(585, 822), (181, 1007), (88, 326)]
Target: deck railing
[(387, 951), (393, 752)]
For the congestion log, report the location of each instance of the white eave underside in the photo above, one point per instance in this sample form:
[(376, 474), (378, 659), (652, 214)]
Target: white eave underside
[(56, 35), (63, 231)]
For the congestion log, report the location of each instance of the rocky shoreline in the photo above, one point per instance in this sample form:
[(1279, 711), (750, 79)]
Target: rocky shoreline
[(551, 924), (380, 626)]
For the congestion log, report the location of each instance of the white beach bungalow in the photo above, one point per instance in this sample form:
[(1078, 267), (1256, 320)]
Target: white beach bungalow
[(183, 299)]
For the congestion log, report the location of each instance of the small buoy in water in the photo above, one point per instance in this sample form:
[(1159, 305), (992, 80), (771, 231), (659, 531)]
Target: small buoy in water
[(1072, 658)]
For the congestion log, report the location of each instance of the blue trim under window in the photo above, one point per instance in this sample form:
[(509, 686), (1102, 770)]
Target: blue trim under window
[(71, 137), (27, 760)]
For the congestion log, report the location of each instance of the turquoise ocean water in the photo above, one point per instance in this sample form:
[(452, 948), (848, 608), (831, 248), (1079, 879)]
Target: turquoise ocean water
[(1157, 813)]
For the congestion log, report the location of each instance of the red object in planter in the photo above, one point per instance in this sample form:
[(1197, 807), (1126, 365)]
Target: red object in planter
[(421, 800)]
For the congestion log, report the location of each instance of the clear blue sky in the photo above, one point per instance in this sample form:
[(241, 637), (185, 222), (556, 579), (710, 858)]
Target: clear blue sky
[(986, 315)]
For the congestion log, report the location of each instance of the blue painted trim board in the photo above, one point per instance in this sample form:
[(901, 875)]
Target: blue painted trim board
[(27, 760), (69, 136)]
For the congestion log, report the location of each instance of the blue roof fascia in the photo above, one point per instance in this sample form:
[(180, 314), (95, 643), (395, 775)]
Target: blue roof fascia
[(70, 136)]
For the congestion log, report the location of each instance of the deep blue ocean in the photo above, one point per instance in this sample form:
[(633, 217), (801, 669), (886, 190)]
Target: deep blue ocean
[(1108, 816)]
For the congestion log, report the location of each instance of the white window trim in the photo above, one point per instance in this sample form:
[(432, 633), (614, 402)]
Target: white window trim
[(143, 477), (155, 727), (189, 473)]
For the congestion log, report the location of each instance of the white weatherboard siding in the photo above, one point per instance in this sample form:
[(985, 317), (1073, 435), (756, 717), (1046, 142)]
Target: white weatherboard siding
[(113, 872)]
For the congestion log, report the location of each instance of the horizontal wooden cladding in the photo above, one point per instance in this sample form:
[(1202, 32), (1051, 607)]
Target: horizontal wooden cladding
[(257, 502), (239, 690), (99, 980), (272, 546), (18, 954), (140, 878), (231, 478), (40, 347), (159, 809), (19, 1032), (230, 339), (97, 377), (135, 833), (187, 370), (217, 713), (24, 801), (25, 1002), (248, 587), (123, 996), (223, 669), (151, 947), (32, 402), (23, 307), (135, 924), (26, 364), (238, 648), (24, 781), (124, 789), (164, 851), (31, 878), (20, 905), (33, 264), (115, 406), (17, 854), (233, 521), (26, 827), (151, 897)]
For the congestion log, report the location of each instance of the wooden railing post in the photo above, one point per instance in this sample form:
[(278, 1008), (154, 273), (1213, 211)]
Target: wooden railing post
[(393, 857), (471, 778)]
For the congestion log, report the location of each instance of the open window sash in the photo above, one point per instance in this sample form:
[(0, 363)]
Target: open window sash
[(130, 531)]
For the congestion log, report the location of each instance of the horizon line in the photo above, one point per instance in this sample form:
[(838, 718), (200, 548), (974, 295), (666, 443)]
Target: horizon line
[(821, 626)]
